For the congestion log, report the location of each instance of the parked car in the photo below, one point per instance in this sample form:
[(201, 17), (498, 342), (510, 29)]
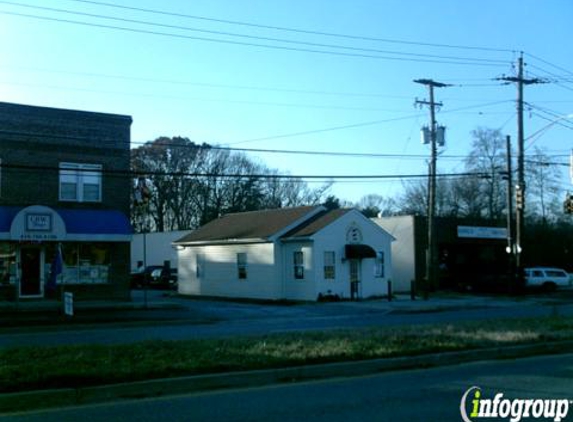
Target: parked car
[(546, 278), (156, 276)]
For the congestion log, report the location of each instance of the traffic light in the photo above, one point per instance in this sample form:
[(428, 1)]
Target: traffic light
[(519, 200), (568, 204)]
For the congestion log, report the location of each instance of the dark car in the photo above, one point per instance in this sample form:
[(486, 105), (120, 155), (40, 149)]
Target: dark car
[(154, 276)]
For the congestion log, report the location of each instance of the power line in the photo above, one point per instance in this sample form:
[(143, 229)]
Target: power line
[(328, 129), (210, 100), (555, 81), (550, 64), (356, 125), (148, 173), (208, 147), (272, 137), (555, 117), (468, 61), (212, 85), (294, 30), (252, 37)]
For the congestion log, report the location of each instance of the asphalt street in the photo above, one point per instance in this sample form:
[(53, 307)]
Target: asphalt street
[(416, 395), (208, 319)]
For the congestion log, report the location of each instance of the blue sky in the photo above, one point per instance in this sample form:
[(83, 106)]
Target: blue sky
[(211, 80)]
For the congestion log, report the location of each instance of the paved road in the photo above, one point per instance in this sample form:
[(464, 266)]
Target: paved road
[(234, 319), (181, 330), (417, 395)]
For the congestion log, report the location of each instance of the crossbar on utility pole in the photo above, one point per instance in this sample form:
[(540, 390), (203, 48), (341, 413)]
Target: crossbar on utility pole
[(431, 251)]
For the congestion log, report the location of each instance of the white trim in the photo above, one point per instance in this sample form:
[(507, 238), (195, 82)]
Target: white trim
[(80, 237), (80, 172), (221, 242)]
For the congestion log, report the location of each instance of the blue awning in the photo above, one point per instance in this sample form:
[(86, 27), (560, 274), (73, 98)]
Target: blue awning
[(7, 214), (64, 224), (96, 224)]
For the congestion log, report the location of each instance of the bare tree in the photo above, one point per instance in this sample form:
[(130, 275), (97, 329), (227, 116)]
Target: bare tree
[(192, 184), (542, 187), (487, 157), (464, 200), (373, 205)]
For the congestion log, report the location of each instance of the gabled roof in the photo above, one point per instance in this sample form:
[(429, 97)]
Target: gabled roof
[(316, 223), (253, 225)]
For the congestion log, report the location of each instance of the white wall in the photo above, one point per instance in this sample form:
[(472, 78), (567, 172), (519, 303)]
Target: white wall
[(158, 248), (333, 237), (403, 252), (299, 289), (220, 274)]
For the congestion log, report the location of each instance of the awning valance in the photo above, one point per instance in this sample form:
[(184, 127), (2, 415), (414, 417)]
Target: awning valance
[(41, 223), (358, 251)]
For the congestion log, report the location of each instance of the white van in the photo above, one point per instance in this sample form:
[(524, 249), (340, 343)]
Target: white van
[(546, 278)]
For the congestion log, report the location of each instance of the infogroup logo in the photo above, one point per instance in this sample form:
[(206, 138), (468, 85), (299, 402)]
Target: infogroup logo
[(473, 407)]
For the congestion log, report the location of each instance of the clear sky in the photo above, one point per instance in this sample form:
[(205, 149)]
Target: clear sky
[(303, 75)]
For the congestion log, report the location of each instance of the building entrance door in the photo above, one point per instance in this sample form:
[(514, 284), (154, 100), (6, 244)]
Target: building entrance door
[(31, 274), (354, 278)]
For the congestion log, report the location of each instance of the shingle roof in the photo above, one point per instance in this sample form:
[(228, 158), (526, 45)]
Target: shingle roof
[(248, 225), (317, 223)]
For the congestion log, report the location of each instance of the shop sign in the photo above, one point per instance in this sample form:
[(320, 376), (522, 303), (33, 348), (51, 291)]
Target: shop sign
[(476, 232), (37, 223)]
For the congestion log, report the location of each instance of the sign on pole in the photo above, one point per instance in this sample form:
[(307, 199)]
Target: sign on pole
[(69, 304)]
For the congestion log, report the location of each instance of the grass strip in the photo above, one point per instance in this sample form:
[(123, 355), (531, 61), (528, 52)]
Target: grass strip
[(31, 368)]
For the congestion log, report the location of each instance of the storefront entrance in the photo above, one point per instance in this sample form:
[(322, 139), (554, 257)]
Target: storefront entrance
[(31, 285), (355, 270)]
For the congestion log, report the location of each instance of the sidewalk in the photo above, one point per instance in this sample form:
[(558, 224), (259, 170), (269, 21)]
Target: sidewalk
[(437, 302), (51, 312), (159, 307)]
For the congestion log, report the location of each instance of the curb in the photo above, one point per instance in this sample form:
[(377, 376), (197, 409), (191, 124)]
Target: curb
[(25, 401)]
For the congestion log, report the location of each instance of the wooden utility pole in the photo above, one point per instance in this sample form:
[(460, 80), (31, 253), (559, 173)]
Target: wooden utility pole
[(432, 250), (520, 81), (510, 244)]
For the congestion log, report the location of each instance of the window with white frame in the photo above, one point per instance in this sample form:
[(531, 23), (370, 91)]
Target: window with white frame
[(379, 269), (242, 265), (298, 265), (80, 182), (329, 265)]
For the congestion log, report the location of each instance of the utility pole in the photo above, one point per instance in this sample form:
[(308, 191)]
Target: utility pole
[(431, 251), (520, 81), (510, 245)]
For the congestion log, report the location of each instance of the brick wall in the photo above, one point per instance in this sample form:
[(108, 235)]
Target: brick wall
[(45, 137)]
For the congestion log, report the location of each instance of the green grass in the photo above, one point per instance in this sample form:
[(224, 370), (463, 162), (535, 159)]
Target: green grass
[(29, 368)]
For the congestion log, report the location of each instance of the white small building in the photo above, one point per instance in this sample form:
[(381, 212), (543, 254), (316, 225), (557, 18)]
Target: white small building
[(293, 253), (155, 248), (408, 256)]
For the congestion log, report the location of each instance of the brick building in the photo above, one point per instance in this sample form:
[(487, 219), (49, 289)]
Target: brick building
[(64, 203)]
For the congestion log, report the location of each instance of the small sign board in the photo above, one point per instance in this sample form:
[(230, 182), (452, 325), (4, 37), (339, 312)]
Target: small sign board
[(40, 222), (68, 303), (482, 232)]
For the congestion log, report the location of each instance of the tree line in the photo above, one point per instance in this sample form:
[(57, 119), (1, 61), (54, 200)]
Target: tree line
[(188, 186)]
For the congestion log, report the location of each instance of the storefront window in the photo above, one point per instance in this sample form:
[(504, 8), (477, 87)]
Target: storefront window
[(84, 263), (7, 263)]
